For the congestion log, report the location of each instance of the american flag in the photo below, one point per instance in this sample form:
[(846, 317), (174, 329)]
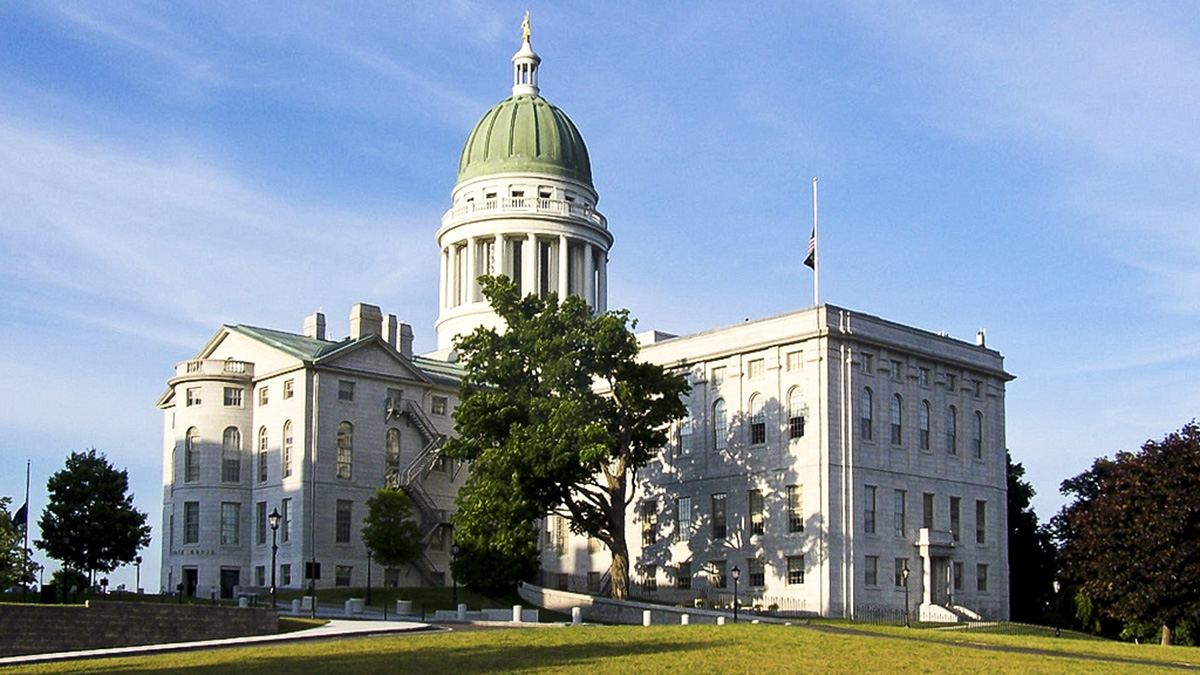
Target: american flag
[(811, 260)]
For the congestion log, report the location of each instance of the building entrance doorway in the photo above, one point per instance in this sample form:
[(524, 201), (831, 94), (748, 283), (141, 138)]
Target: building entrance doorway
[(191, 578), (230, 579)]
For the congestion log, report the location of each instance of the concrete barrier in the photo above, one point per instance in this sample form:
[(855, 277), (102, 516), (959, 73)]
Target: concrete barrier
[(404, 607)]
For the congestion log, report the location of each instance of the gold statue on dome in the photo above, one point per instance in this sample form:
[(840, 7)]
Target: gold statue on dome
[(525, 27)]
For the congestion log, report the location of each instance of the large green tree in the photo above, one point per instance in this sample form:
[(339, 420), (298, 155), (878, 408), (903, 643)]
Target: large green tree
[(389, 529), (558, 413), (1032, 557), (1131, 535), (90, 523), (12, 549)]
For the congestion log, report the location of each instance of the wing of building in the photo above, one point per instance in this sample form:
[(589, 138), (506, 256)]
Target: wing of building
[(832, 462)]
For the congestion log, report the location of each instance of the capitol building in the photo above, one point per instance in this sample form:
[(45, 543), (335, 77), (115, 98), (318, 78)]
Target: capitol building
[(839, 462)]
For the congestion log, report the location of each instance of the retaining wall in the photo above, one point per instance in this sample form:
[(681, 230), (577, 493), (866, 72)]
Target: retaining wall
[(607, 610)]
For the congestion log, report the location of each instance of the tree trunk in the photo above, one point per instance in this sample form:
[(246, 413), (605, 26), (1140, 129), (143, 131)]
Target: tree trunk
[(620, 567), (1166, 636)]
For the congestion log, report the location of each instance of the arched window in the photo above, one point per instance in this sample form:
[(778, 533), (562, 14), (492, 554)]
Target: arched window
[(391, 458), (191, 456), (720, 426), (758, 421), (262, 453), (345, 449), (795, 413), (897, 420), (231, 455), (924, 425), (977, 439), (287, 449), (685, 434), (866, 416), (952, 430)]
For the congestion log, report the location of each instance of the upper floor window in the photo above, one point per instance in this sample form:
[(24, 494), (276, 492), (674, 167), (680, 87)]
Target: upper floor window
[(794, 361), (262, 454), (795, 506), (758, 421), (900, 512), (233, 396), (977, 437), (437, 405), (896, 370), (342, 517), (718, 516), (191, 456), (923, 377), (685, 434), (649, 522), (391, 458), (289, 388), (231, 456), (345, 390), (755, 369), (755, 499), (897, 420), (866, 415), (193, 396), (924, 425), (867, 363), (951, 383), (795, 413), (287, 448), (231, 523), (720, 426), (978, 385), (263, 395), (345, 449), (718, 376), (191, 522), (683, 519), (869, 508), (952, 430), (980, 522)]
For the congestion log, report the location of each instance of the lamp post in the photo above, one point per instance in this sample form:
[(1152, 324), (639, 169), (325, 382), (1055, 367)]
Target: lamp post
[(368, 576), (736, 573), (274, 519), (453, 563), (137, 564), (904, 576), (1057, 618)]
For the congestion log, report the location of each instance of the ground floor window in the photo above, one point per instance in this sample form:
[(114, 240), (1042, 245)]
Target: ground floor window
[(260, 576), (285, 575), (342, 575), (650, 579), (757, 572), (795, 570), (593, 582), (871, 571), (683, 576)]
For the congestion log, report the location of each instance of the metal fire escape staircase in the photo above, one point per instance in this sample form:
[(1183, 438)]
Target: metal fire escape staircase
[(430, 518)]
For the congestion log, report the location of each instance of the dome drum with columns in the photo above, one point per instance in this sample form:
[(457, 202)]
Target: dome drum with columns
[(524, 206)]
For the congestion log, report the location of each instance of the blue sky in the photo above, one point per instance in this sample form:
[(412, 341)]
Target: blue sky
[(1030, 168)]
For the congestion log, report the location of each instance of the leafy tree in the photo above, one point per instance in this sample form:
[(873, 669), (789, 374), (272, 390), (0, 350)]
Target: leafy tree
[(90, 523), (65, 579), (389, 530), (558, 414), (496, 535), (1131, 537), (1032, 557), (12, 558)]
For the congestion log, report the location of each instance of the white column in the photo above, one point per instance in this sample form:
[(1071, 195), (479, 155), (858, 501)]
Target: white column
[(443, 296), (498, 256), (529, 265), (602, 282), (472, 271), (452, 278), (589, 276), (564, 249)]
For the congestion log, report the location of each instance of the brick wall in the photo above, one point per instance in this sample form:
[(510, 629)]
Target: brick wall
[(36, 629)]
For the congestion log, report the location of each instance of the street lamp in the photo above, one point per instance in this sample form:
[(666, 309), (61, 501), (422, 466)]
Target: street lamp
[(904, 576), (137, 564), (274, 519), (736, 575), (1057, 618), (453, 563)]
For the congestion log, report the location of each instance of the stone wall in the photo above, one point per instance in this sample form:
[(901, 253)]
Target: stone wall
[(37, 629), (607, 610)]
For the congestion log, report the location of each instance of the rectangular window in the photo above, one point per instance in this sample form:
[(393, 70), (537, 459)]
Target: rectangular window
[(927, 510), (978, 386), (437, 405), (191, 522), (867, 362), (956, 517), (231, 523), (342, 526), (980, 522), (262, 455), (718, 376), (342, 575), (683, 576), (560, 535), (716, 574), (260, 575), (718, 515), (794, 362), (923, 377), (795, 507), (285, 525), (981, 578), (233, 397), (896, 370), (758, 427), (285, 575), (345, 390), (756, 511), (795, 570), (900, 512), (260, 523), (898, 568), (685, 435), (869, 506), (683, 519), (193, 396), (951, 383), (649, 522), (263, 396), (593, 545), (287, 449), (289, 388), (958, 576), (755, 369), (593, 583), (650, 578), (757, 572), (871, 570)]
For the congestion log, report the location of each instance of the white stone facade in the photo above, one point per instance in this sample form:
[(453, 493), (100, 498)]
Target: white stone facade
[(263, 420), (777, 440)]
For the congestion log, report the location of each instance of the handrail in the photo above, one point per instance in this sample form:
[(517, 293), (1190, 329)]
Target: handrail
[(554, 207)]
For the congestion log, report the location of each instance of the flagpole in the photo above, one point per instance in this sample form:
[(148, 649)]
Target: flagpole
[(25, 547), (816, 253)]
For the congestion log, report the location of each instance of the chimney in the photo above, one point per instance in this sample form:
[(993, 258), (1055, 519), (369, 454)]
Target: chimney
[(981, 338), (406, 340), (390, 330), (314, 326), (365, 320)]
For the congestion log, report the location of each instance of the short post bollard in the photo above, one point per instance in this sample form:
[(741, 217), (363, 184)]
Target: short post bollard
[(684, 619), (645, 617), (576, 616), (462, 612), (516, 617), (720, 621)]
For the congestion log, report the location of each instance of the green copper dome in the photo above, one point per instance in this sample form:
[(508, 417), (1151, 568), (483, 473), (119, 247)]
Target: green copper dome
[(525, 133)]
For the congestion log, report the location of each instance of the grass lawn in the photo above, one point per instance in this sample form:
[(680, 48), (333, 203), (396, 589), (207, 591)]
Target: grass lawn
[(743, 648)]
